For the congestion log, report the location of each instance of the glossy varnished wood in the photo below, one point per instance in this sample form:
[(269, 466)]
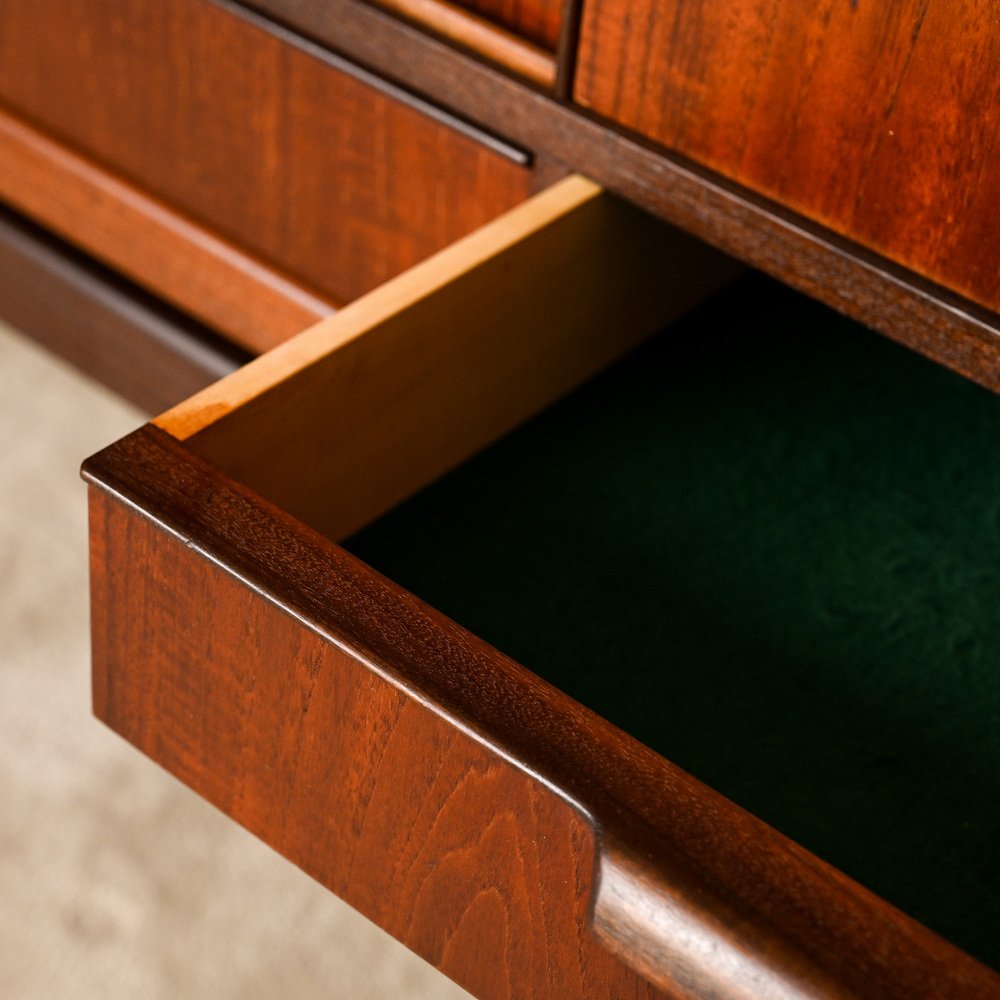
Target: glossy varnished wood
[(879, 120), (350, 776), (249, 302), (814, 259), (478, 34), (539, 21), (517, 841), (279, 146), (152, 355)]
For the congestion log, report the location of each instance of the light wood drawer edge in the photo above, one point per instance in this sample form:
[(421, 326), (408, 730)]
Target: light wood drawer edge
[(447, 357)]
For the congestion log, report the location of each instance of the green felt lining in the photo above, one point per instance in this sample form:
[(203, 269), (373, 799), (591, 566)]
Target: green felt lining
[(768, 546)]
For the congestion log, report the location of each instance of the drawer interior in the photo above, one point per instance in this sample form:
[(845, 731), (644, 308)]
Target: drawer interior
[(766, 544)]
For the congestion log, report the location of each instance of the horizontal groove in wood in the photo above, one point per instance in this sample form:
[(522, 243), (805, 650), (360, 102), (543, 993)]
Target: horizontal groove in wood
[(216, 282), (931, 319), (384, 85), (113, 331), (701, 897), (537, 21), (361, 411), (480, 36)]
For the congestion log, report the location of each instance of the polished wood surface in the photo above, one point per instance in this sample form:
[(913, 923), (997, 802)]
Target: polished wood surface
[(241, 297), (845, 275), (879, 120), (520, 843), (473, 864), (361, 411), (112, 330), (279, 146), (479, 35), (539, 21), (514, 839)]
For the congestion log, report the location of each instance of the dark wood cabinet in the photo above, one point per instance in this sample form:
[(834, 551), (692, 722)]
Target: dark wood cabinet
[(427, 242)]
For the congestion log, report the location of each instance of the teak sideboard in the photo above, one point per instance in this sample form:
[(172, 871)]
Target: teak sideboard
[(388, 271)]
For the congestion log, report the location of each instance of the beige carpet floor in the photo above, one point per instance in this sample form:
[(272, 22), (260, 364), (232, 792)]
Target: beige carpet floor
[(115, 881)]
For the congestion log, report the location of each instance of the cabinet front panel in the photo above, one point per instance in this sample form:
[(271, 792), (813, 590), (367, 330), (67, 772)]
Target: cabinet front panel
[(262, 138), (879, 120)]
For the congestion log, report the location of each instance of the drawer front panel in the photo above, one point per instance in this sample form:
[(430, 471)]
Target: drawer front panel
[(880, 120), (270, 142), (396, 758), (475, 865)]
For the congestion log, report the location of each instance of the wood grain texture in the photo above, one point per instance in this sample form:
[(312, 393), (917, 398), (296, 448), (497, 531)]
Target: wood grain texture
[(242, 298), (363, 410), (441, 788), (479, 35), (539, 21), (113, 331), (277, 145), (881, 121), (842, 273)]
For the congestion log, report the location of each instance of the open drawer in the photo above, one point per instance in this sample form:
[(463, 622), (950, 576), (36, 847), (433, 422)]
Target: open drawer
[(518, 840)]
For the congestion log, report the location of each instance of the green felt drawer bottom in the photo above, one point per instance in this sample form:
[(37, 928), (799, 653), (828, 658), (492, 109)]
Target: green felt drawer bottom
[(768, 546)]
